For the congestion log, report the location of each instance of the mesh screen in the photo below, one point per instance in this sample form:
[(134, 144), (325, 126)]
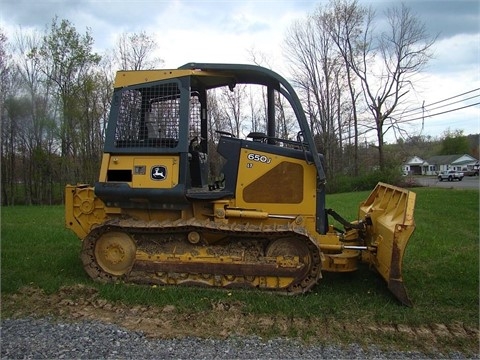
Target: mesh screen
[(149, 117), (195, 117)]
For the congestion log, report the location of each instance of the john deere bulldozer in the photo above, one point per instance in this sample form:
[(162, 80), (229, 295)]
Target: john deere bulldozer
[(164, 212)]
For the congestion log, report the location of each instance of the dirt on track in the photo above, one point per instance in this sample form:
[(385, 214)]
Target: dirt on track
[(224, 319)]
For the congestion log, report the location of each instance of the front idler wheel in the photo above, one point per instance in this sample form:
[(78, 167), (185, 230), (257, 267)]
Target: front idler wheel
[(292, 247), (115, 252)]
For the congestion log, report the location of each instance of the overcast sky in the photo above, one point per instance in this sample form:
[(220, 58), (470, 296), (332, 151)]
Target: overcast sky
[(225, 31)]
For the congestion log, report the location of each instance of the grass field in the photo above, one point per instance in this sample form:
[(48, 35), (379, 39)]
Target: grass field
[(441, 269)]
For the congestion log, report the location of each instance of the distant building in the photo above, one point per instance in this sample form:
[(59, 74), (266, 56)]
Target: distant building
[(414, 166), (435, 164)]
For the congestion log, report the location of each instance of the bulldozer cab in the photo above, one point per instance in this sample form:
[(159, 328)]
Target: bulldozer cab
[(159, 127)]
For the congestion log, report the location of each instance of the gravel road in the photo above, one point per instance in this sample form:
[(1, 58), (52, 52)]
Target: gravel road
[(44, 339)]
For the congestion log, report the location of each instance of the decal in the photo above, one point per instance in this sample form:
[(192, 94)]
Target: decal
[(260, 158), (158, 172), (139, 170)]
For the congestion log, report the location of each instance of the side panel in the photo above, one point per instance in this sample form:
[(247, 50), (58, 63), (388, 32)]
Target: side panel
[(160, 171), (157, 172), (141, 181), (276, 184)]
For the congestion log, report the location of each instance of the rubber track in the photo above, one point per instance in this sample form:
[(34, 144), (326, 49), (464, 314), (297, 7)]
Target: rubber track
[(157, 228)]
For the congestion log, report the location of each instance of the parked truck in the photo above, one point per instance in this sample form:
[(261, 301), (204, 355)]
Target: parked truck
[(450, 175), (472, 172)]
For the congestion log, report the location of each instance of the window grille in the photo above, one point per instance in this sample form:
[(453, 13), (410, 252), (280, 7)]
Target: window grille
[(195, 117), (149, 117)]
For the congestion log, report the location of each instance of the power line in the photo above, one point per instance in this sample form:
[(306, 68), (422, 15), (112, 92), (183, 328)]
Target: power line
[(423, 107), (468, 92), (440, 113), (422, 110)]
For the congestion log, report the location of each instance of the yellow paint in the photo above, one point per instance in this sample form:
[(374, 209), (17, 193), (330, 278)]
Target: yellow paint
[(83, 210), (130, 77), (146, 181), (251, 170)]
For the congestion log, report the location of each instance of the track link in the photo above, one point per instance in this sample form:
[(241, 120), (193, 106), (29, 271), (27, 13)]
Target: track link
[(203, 253)]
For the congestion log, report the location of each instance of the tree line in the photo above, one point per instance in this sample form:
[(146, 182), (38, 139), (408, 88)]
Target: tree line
[(351, 76)]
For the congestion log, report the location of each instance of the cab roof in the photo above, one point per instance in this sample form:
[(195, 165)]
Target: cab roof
[(209, 75)]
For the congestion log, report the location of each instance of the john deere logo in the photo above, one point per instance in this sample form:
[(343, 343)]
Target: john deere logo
[(158, 172)]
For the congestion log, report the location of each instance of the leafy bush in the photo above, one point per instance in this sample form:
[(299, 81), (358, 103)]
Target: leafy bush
[(365, 181)]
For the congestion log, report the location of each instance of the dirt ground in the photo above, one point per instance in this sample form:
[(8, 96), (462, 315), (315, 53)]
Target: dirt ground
[(224, 319)]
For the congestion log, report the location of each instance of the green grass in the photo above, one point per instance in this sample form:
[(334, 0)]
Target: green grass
[(440, 269), (38, 250)]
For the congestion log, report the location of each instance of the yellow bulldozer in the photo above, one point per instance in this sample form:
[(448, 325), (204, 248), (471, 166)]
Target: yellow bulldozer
[(158, 215)]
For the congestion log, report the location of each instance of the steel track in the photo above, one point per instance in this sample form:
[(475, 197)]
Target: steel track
[(237, 257)]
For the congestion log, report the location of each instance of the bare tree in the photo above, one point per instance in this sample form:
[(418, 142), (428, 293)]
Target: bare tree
[(285, 123), (257, 113), (317, 73), (399, 52), (38, 130), (7, 126), (231, 110), (345, 24), (134, 51), (105, 75), (336, 51)]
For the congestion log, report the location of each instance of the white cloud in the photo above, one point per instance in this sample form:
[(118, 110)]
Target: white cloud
[(454, 71), (460, 52), (225, 31), (227, 37)]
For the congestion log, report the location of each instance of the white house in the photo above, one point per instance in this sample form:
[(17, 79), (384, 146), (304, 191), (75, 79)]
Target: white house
[(452, 162), (435, 164), (414, 166)]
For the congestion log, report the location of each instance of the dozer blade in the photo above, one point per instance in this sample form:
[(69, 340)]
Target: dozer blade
[(390, 210)]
